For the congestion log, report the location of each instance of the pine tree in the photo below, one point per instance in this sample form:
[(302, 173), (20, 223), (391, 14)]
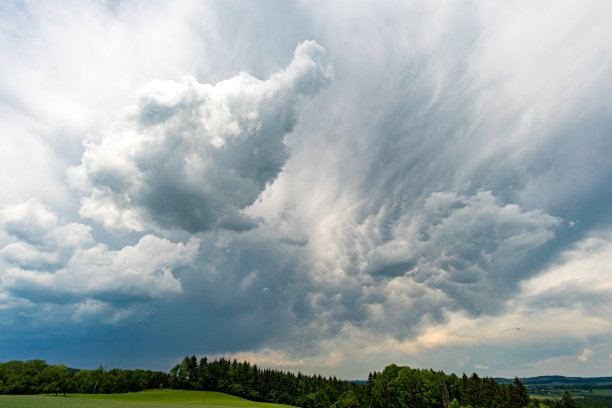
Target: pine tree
[(568, 401)]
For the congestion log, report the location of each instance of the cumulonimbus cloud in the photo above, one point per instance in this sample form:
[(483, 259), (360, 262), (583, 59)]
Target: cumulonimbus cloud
[(192, 156)]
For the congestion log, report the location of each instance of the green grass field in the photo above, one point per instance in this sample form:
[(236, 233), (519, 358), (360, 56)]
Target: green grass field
[(152, 398)]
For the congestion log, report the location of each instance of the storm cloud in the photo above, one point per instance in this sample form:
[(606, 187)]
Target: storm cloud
[(421, 183), (192, 155)]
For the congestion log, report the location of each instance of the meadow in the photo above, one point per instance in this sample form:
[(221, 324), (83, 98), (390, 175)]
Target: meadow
[(585, 397), (157, 398)]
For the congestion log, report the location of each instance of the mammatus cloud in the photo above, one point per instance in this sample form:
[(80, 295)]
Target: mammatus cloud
[(558, 295), (46, 260), (192, 156), (453, 252)]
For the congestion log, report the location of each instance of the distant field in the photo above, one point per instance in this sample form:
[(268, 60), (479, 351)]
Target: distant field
[(576, 393), (158, 398), (592, 392), (596, 398)]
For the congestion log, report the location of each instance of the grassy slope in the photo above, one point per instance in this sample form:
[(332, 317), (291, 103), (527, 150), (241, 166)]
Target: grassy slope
[(157, 398)]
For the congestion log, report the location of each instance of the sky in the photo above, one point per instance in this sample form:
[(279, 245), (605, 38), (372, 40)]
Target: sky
[(314, 186)]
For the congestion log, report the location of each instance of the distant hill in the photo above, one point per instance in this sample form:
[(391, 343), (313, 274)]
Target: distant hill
[(559, 380)]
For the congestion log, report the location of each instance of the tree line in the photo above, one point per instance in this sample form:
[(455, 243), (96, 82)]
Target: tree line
[(267, 385), (38, 377), (395, 386)]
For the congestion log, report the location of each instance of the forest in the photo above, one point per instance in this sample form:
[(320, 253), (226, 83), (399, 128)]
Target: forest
[(395, 386)]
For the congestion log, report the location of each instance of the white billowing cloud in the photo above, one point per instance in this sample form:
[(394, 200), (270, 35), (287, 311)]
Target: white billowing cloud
[(142, 271), (192, 156), (481, 367), (67, 76), (31, 236), (584, 357), (43, 257)]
